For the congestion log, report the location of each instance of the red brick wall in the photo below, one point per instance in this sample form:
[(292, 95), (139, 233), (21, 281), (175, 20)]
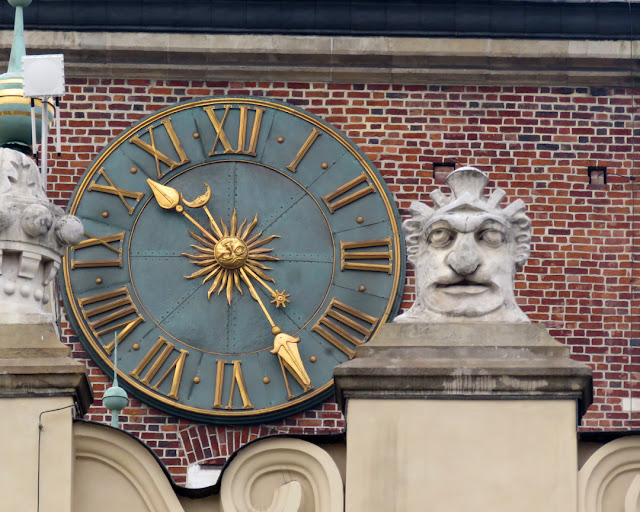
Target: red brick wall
[(534, 142)]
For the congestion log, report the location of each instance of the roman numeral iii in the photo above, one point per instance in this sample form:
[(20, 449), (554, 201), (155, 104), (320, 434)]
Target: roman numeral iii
[(349, 253)]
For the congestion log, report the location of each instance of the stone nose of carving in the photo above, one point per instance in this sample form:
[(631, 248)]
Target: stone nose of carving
[(464, 258)]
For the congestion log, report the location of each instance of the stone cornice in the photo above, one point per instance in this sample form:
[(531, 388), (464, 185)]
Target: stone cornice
[(34, 363), (339, 59), (464, 362)]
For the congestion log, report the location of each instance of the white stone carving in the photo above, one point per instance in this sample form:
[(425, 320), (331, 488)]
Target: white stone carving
[(465, 252), (114, 471), (610, 478), (282, 475), (33, 235)]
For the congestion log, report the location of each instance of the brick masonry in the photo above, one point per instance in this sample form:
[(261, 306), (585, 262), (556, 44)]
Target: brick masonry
[(535, 142)]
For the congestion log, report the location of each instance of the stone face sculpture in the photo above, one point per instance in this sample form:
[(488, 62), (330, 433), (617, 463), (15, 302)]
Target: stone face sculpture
[(33, 235), (465, 252)]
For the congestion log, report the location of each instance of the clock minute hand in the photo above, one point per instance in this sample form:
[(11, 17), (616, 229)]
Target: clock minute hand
[(285, 346)]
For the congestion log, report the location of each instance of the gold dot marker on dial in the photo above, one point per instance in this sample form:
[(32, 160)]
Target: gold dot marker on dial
[(325, 165), (196, 380), (105, 214), (362, 288), (280, 140), (196, 135), (179, 208), (136, 346), (266, 380), (313, 359), (360, 220), (133, 170), (98, 280)]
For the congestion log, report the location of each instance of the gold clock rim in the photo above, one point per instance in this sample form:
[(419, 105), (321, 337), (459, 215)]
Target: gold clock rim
[(115, 144)]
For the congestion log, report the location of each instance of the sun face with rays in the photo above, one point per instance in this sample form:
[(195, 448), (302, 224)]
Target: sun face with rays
[(230, 255)]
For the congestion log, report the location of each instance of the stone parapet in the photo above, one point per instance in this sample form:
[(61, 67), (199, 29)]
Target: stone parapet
[(338, 59), (464, 361), (34, 363)]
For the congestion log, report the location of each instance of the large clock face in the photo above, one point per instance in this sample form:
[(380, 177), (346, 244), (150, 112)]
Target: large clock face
[(240, 249)]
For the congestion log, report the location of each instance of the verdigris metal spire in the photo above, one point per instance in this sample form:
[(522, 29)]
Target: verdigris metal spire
[(115, 398), (17, 49), (15, 109)]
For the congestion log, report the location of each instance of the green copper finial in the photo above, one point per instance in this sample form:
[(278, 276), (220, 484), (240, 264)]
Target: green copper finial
[(17, 48), (115, 398)]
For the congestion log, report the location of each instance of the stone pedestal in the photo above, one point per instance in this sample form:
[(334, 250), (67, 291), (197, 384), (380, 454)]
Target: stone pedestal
[(459, 417), (38, 384), (41, 387)]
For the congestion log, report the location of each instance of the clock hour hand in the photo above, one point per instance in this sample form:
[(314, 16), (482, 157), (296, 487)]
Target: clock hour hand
[(168, 198)]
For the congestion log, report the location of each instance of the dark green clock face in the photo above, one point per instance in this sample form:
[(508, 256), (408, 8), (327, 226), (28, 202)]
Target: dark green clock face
[(240, 249)]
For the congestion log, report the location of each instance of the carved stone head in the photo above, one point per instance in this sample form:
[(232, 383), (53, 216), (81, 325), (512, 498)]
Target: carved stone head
[(466, 252)]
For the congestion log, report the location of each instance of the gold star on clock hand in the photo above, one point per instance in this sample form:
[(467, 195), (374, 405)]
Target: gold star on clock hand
[(280, 298)]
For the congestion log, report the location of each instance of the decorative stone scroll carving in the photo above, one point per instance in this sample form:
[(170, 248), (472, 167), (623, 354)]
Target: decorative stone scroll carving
[(610, 479), (466, 251), (282, 475), (113, 471), (33, 235)]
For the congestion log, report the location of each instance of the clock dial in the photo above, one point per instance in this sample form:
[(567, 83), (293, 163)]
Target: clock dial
[(240, 249)]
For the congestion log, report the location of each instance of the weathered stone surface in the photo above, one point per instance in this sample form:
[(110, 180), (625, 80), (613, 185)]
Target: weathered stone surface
[(338, 59), (466, 251), (469, 361), (33, 363), (33, 235)]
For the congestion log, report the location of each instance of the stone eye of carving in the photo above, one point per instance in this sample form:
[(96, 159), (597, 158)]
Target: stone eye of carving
[(491, 237), (440, 237)]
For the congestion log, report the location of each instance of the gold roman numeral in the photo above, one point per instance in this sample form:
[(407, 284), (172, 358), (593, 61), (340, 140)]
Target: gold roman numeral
[(177, 367), (104, 241), (348, 253), (115, 305), (157, 154), (293, 166), (336, 327), (335, 205), (236, 378), (120, 192), (221, 136)]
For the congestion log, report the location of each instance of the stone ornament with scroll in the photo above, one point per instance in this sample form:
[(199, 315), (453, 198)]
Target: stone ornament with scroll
[(33, 235), (466, 251)]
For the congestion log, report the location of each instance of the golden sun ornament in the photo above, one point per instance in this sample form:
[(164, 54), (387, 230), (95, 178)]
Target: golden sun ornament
[(230, 255)]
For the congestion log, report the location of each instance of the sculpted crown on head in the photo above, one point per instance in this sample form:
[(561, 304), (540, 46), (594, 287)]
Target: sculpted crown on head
[(465, 252)]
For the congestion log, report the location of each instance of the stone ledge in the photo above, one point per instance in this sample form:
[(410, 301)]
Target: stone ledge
[(464, 361), (30, 340), (33, 362), (340, 59)]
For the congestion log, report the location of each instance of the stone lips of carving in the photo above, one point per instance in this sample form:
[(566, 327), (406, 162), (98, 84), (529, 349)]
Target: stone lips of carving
[(33, 235), (466, 251)]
